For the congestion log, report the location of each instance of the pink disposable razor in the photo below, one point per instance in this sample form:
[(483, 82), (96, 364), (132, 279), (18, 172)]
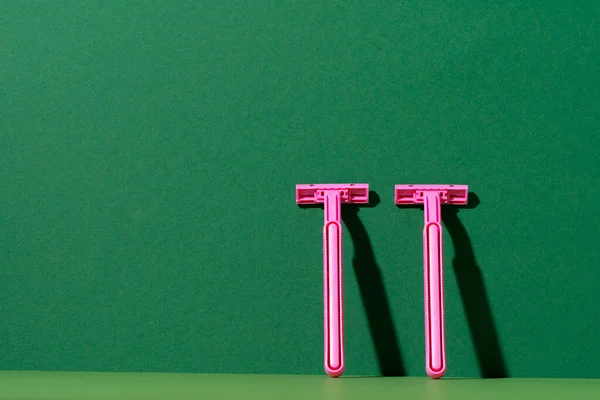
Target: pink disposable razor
[(332, 196), (432, 197)]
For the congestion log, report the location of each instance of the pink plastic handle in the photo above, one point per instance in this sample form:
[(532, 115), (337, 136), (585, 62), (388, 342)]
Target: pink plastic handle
[(435, 341), (432, 197), (333, 285), (332, 196)]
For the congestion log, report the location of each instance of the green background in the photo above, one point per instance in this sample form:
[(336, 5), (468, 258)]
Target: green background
[(149, 152)]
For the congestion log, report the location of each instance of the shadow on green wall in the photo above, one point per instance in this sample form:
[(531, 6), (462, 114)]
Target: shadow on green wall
[(372, 293), (473, 295)]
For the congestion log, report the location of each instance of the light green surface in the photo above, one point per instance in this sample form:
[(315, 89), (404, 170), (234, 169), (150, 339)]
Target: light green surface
[(150, 386)]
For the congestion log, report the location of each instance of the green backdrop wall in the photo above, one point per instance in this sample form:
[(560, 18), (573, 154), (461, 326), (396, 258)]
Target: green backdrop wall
[(149, 152)]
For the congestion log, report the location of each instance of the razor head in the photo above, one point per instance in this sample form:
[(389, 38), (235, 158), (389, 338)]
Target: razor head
[(415, 194), (357, 193)]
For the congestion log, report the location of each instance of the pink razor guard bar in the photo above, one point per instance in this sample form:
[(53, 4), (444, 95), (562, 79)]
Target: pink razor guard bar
[(332, 196), (432, 197)]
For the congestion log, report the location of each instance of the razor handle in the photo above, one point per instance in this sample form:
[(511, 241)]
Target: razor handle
[(435, 342), (432, 197), (333, 287)]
